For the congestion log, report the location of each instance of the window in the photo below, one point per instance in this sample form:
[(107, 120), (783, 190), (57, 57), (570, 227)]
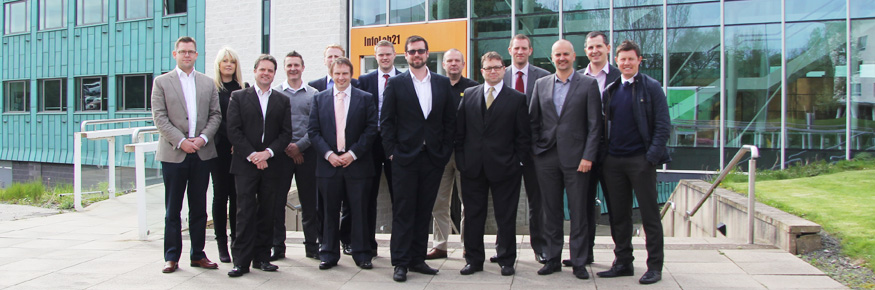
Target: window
[(17, 96), (134, 9), (90, 94), (175, 7), (91, 12), (16, 17), (52, 14), (135, 92), (53, 95)]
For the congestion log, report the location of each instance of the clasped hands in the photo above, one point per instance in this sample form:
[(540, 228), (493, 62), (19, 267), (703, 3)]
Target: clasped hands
[(259, 159), (192, 145), (343, 160), (294, 152)]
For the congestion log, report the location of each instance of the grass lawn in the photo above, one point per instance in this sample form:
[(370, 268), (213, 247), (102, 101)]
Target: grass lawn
[(843, 203)]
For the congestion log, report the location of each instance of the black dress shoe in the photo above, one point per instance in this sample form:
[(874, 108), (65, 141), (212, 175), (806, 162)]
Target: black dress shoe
[(327, 265), (237, 271), (617, 270), (312, 254), (424, 269), (493, 259), (580, 272), (541, 258), (224, 256), (277, 255), (366, 264), (507, 270), (470, 269), (346, 249), (650, 277), (400, 274), (567, 263), (265, 266), (550, 267)]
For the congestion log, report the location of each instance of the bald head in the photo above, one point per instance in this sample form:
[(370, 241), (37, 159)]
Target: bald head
[(454, 63), (563, 56)]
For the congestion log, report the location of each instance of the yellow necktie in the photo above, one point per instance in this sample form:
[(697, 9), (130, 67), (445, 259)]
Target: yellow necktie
[(489, 97)]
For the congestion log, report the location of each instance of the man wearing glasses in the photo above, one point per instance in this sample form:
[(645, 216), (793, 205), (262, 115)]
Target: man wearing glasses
[(417, 122)]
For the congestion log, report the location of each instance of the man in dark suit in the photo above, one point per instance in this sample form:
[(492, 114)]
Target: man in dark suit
[(565, 117), (332, 52), (260, 128), (375, 83), (343, 123), (417, 122), (492, 135), (522, 76), (185, 108), (598, 53)]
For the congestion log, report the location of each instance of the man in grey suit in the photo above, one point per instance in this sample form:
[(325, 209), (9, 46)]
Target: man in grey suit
[(521, 76), (185, 109), (565, 117)]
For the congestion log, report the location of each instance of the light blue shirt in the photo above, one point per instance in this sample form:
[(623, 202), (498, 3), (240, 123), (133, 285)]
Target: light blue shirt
[(560, 91)]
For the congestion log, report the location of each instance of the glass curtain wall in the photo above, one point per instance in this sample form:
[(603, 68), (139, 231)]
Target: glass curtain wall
[(862, 73)]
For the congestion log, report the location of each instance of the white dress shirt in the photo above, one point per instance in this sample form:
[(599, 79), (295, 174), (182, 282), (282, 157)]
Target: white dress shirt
[(423, 92), (381, 87), (497, 87), (346, 100), (263, 97), (525, 71), (189, 92), (600, 76)]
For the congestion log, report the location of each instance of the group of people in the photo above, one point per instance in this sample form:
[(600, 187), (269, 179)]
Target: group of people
[(558, 135)]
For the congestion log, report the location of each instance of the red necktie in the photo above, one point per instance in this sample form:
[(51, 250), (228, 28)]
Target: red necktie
[(519, 83), (386, 83)]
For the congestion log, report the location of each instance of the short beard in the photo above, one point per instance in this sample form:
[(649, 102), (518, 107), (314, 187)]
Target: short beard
[(422, 64)]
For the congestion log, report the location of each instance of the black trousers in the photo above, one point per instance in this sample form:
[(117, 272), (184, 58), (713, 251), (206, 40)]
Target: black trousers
[(596, 177), (622, 176), (505, 199), (381, 164), (305, 180), (194, 174), (533, 195), (416, 187), (334, 191), (224, 193), (553, 179), (256, 201)]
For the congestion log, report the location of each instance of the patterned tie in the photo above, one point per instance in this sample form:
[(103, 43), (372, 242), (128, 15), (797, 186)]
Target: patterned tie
[(386, 83), (489, 97), (519, 83), (340, 121)]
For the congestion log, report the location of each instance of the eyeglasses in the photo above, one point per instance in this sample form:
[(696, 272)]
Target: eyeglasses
[(415, 51), (186, 52), (494, 68)]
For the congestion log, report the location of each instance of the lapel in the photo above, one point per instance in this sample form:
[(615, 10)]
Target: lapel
[(253, 100), (547, 104), (530, 83), (407, 85), (477, 103), (354, 102), (575, 82), (177, 88), (330, 112), (436, 92)]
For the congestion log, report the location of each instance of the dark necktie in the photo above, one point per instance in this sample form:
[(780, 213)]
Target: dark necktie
[(386, 83), (519, 86)]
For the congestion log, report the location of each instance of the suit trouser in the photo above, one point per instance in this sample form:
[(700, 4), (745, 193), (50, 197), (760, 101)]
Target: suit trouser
[(305, 180), (533, 195), (256, 202), (193, 173), (553, 178), (334, 191), (595, 178), (442, 203), (505, 199), (416, 187), (224, 194), (385, 166), (622, 176)]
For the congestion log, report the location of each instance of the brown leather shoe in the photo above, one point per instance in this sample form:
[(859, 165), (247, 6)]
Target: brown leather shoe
[(204, 263), (436, 254), (170, 267)]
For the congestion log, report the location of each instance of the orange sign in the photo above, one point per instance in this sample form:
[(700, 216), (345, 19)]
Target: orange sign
[(441, 36)]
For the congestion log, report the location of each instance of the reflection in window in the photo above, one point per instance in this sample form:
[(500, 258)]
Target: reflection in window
[(134, 92), (53, 95), (402, 11), (52, 14), (587, 21), (650, 42), (368, 12), (638, 18), (175, 7), (863, 85), (862, 8), (571, 5), (486, 8), (631, 3), (541, 48), (16, 17), (447, 9), (703, 14), (538, 24), (17, 96), (134, 9), (808, 10), (752, 11), (91, 94), (91, 12), (491, 28), (536, 6)]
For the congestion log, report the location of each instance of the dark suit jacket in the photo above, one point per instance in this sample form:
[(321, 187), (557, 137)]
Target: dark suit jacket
[(495, 139), (370, 83), (534, 74), (320, 83), (404, 128), (575, 132), (613, 74), (361, 129), (245, 128)]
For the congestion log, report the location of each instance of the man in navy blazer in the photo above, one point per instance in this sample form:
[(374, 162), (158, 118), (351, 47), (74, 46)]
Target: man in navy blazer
[(375, 83), (343, 123), (417, 121), (332, 52)]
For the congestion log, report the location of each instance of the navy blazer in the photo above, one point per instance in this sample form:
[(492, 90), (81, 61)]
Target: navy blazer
[(361, 129), (370, 83), (246, 126), (321, 83), (404, 128)]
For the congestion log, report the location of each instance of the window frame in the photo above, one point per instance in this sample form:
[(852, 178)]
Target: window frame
[(166, 12), (80, 96), (62, 95), (42, 15), (121, 83), (7, 20), (7, 102), (80, 11), (122, 4)]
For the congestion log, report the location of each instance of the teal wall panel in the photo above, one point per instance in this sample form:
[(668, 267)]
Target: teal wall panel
[(90, 49), (51, 54), (16, 137), (16, 56), (133, 38)]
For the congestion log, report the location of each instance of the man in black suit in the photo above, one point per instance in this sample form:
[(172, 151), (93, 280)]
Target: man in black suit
[(522, 76), (598, 53), (565, 117), (332, 52), (492, 136), (417, 122), (343, 123), (375, 83), (260, 128)]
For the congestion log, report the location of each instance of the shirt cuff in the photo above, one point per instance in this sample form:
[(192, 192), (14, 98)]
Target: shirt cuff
[(353, 155), (205, 138), (270, 151), (180, 143), (249, 158), (328, 154)]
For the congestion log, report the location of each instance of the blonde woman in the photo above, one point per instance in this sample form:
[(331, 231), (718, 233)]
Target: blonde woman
[(227, 79)]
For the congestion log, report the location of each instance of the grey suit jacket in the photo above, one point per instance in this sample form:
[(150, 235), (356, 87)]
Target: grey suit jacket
[(171, 115), (576, 132), (534, 74)]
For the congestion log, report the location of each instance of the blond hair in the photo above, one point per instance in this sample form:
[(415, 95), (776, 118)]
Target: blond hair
[(237, 76)]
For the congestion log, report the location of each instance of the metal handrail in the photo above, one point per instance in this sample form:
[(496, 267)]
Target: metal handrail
[(111, 121)]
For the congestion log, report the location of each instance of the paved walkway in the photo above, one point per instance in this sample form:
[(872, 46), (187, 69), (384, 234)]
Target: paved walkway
[(98, 249)]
